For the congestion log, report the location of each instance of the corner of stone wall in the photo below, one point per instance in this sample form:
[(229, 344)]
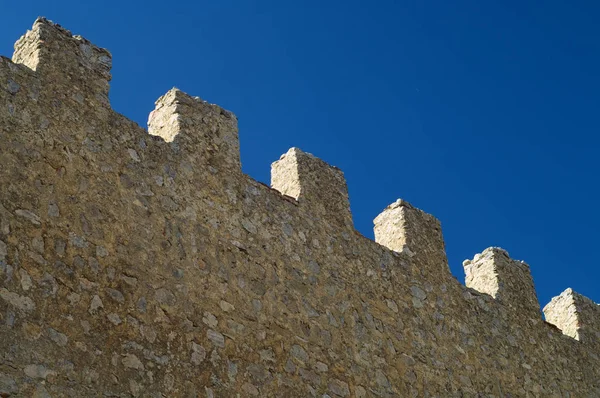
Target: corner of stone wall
[(575, 315), (509, 281), (314, 183), (65, 61), (204, 131), (404, 228)]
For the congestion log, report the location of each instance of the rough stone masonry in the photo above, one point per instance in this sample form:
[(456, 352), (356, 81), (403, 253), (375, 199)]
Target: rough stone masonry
[(146, 264)]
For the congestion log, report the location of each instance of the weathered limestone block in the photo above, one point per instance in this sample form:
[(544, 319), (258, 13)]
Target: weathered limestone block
[(65, 61), (314, 183), (404, 228), (509, 281), (206, 131), (576, 315)]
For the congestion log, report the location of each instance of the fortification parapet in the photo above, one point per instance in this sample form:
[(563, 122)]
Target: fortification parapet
[(576, 315), (150, 266), (65, 61), (509, 281), (404, 228), (313, 183)]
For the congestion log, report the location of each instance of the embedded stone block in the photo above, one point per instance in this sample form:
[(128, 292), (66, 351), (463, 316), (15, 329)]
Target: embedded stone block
[(64, 60), (575, 315), (509, 281), (207, 130), (404, 228), (314, 183)]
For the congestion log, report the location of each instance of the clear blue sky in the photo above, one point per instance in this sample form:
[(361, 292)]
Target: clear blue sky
[(483, 113)]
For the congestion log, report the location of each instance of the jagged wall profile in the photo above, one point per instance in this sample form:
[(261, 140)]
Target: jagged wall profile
[(146, 264)]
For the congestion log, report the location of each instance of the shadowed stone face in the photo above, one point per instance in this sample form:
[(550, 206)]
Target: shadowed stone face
[(146, 264)]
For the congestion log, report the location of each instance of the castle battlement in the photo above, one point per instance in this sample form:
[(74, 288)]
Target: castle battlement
[(146, 264)]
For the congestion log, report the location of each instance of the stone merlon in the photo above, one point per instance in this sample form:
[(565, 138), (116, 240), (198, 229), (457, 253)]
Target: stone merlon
[(313, 182), (209, 132), (576, 315), (65, 61), (509, 281), (404, 228)]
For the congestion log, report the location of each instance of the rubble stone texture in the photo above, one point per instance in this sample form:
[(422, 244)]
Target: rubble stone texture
[(146, 264)]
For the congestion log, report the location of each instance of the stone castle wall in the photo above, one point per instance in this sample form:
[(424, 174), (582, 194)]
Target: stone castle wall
[(146, 264)]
